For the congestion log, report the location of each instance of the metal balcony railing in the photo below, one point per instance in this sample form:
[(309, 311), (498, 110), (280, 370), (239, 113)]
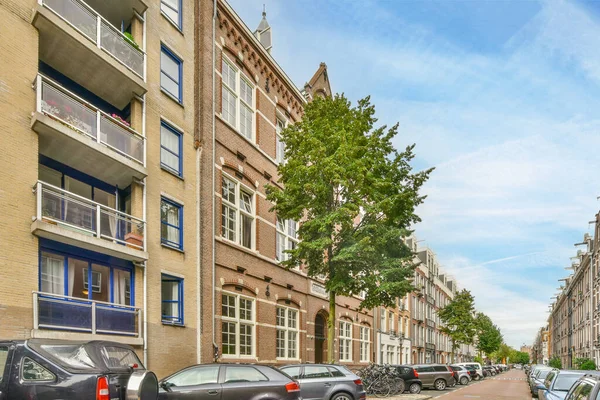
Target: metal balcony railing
[(93, 26), (58, 206), (81, 116), (51, 311)]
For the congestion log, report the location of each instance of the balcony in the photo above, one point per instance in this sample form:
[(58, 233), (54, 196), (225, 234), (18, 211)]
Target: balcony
[(65, 317), (81, 44), (85, 138), (430, 323), (75, 220), (430, 346)]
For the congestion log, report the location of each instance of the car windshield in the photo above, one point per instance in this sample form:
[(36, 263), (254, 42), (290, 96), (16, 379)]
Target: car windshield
[(544, 373), (564, 382), (73, 355)]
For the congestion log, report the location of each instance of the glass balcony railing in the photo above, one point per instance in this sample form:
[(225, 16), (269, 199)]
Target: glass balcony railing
[(52, 311), (79, 115), (71, 211), (87, 21)]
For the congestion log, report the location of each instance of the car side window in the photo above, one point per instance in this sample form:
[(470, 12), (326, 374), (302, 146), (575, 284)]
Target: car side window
[(424, 369), (294, 372), (196, 376), (32, 371), (315, 372), (440, 368), (243, 374), (3, 357), (336, 372), (582, 392)]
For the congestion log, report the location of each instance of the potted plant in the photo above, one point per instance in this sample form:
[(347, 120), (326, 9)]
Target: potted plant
[(135, 238)]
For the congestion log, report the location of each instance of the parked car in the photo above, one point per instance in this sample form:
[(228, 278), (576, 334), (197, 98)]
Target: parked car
[(475, 365), (229, 382), (586, 387), (321, 381), (491, 371), (411, 378), (463, 374), (532, 370), (45, 369), (557, 384), (436, 376), (473, 373), (538, 378)]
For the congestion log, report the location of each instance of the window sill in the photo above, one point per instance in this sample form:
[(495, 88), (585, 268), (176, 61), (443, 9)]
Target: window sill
[(167, 323), (175, 174), (172, 22), (175, 99), (172, 248)]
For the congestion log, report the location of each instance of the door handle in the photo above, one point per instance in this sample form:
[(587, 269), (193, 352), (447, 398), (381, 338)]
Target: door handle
[(327, 384), (213, 392)]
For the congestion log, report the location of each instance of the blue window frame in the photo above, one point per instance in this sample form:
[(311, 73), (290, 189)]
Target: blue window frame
[(172, 10), (171, 149), (171, 299), (171, 71), (171, 223)]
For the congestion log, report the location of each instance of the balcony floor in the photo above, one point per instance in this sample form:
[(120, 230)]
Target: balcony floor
[(83, 153), (74, 55), (68, 335)]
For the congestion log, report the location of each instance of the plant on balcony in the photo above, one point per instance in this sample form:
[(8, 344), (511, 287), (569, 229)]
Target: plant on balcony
[(65, 115), (121, 120), (135, 238), (130, 39)]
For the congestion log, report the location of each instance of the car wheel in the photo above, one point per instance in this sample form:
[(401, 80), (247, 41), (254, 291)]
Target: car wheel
[(341, 396), (414, 388), (440, 384), (464, 380)]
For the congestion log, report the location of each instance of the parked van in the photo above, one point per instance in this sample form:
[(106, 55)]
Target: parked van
[(475, 365)]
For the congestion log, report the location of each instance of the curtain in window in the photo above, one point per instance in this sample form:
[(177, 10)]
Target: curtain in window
[(169, 142), (173, 219), (122, 283), (52, 274)]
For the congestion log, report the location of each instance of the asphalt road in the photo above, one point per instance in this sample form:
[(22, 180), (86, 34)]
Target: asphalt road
[(511, 385)]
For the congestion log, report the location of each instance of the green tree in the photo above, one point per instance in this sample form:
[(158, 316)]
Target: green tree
[(520, 357), (555, 362), (458, 320), (356, 196), (585, 364), (505, 352), (489, 337)]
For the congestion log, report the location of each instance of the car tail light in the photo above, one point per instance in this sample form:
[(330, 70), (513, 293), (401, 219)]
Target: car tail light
[(358, 382), (102, 392), (292, 387), (416, 373)]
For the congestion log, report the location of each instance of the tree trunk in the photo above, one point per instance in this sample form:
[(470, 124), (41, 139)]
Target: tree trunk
[(331, 329)]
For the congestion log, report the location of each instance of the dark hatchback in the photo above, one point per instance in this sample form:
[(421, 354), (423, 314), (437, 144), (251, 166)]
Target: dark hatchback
[(46, 369), (229, 382), (411, 378)]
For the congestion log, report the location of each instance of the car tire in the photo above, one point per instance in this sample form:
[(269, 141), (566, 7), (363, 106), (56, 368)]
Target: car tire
[(464, 381), (341, 396), (439, 384), (414, 388)]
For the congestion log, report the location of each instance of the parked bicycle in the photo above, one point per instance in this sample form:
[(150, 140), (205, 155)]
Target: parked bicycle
[(381, 380)]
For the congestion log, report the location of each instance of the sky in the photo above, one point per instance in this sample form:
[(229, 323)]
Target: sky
[(501, 97)]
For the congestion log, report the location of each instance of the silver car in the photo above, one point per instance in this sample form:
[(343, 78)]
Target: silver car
[(463, 375), (326, 382)]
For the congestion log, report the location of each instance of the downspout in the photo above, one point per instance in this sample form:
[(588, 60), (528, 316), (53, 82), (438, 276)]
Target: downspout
[(212, 195), (198, 147), (144, 203)]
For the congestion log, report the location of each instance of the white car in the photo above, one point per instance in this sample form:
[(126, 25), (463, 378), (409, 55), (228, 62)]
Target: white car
[(475, 365)]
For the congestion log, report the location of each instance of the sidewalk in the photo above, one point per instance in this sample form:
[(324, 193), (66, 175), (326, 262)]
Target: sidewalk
[(403, 397)]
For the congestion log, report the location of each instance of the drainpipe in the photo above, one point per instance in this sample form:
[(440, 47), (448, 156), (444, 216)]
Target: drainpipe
[(145, 272), (212, 195), (198, 259)]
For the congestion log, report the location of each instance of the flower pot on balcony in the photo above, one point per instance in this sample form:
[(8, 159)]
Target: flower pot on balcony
[(134, 240)]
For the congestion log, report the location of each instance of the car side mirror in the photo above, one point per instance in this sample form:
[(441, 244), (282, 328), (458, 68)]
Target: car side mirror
[(166, 385), (540, 386)]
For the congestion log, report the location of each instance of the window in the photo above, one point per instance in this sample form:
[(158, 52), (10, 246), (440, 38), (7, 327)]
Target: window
[(237, 105), (171, 71), (391, 321), (390, 354), (287, 238), (345, 341), (287, 333), (171, 224), (171, 149), (364, 343), (294, 372), (243, 374), (32, 371), (194, 376), (279, 145), (382, 326), (3, 358), (172, 9), (172, 299), (237, 213), (237, 327), (96, 281), (336, 373), (316, 372)]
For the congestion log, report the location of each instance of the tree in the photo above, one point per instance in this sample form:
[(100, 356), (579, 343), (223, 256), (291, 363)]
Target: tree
[(356, 197), (458, 320), (520, 357), (585, 364), (505, 352), (489, 337), (555, 362)]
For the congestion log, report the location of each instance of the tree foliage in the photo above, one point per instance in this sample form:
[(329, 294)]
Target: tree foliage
[(520, 357), (355, 195), (458, 320), (585, 364), (555, 362), (489, 337)]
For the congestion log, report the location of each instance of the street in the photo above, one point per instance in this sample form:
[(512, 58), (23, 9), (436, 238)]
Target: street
[(509, 385)]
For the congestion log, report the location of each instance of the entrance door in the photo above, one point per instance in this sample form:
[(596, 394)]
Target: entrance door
[(319, 339)]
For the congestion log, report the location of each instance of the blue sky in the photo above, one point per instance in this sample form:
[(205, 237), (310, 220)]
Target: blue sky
[(502, 97)]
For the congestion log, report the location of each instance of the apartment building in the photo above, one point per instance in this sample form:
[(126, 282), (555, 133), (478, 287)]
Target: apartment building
[(393, 333), (99, 167)]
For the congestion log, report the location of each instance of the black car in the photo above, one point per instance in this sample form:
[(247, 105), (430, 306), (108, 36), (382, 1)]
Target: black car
[(46, 369), (229, 382), (411, 378), (491, 371), (473, 373)]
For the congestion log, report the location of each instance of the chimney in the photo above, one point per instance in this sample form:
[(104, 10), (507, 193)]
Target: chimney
[(263, 32)]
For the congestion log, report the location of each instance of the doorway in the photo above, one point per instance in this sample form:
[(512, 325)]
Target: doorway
[(320, 339)]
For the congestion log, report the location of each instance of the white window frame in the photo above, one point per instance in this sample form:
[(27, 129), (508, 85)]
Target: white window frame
[(239, 101), (239, 188), (364, 338), (287, 330), (280, 124), (382, 319), (237, 321), (391, 321), (284, 237), (390, 354), (345, 339)]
